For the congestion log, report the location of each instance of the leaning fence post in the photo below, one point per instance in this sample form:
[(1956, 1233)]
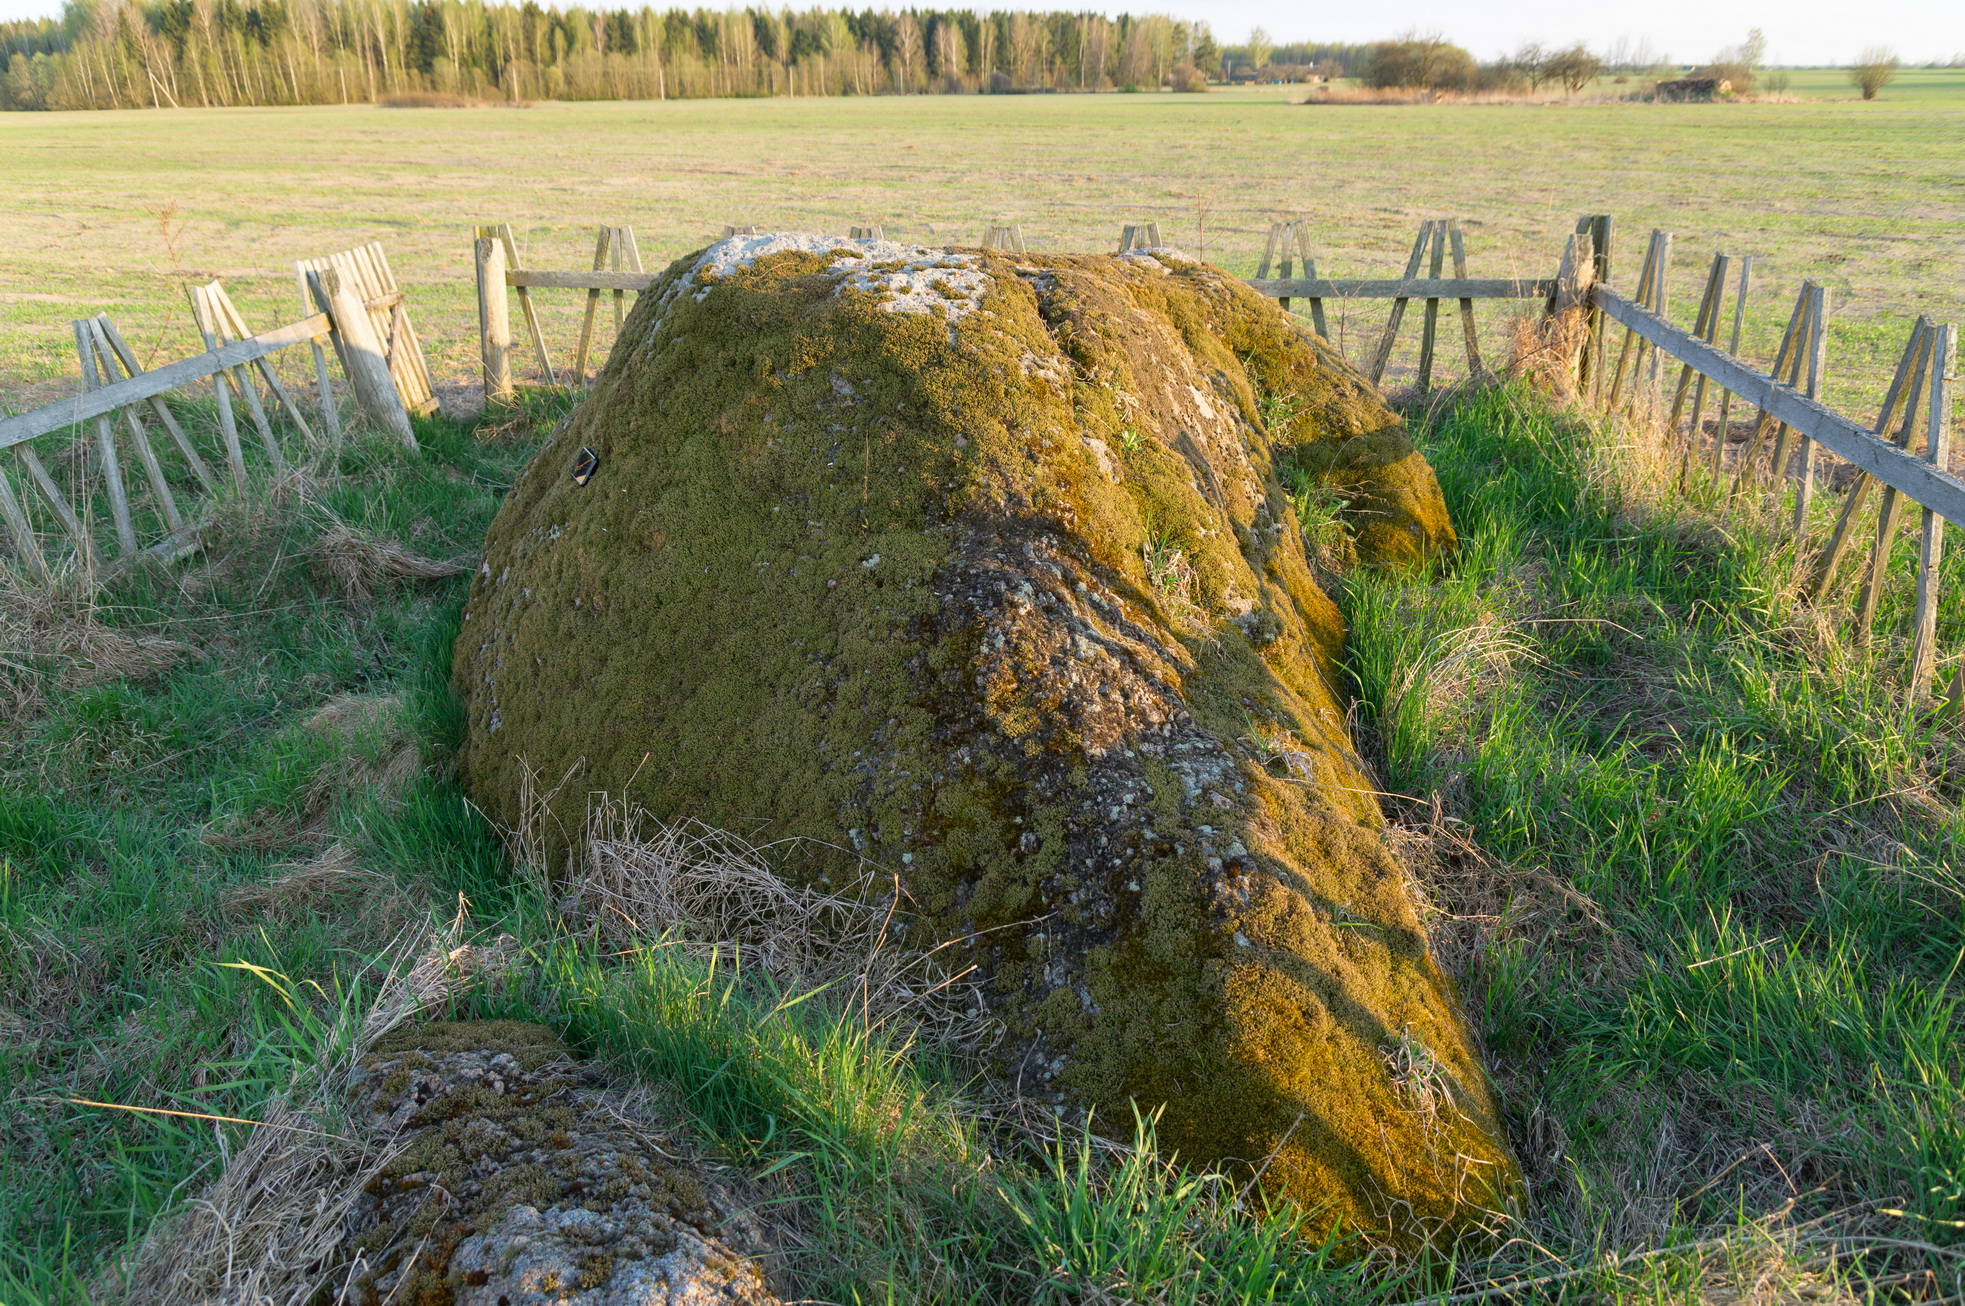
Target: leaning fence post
[(1474, 368), (1733, 348), (1309, 265), (1391, 335), (1852, 502), (330, 416), (1703, 328), (503, 231), (368, 368), (1646, 272), (1783, 372), (1890, 512), (494, 321), (1429, 331), (112, 467), (1937, 448), (1661, 306), (1818, 316), (26, 546)]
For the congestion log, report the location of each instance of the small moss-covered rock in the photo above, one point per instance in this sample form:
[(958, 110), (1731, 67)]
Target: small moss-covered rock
[(978, 565), (518, 1184)]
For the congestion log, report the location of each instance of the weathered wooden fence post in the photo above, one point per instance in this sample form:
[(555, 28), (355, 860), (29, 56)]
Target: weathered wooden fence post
[(503, 231), (1937, 450), (1590, 375), (330, 416), (1391, 336), (1429, 331), (361, 352), (1818, 338), (110, 465), (1889, 513), (494, 321), (26, 546), (1858, 494), (1733, 348)]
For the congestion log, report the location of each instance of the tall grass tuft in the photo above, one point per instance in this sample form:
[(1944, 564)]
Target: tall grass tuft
[(1692, 850)]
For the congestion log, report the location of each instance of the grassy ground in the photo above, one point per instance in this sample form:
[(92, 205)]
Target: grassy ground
[(1695, 864), (1697, 860), (112, 211), (226, 805), (203, 767)]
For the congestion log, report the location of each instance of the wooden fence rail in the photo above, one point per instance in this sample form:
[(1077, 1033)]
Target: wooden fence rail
[(1793, 420), (158, 381), (159, 512), (1437, 238), (1854, 442)]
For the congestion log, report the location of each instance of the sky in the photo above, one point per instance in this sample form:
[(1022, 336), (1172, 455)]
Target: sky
[(1689, 31)]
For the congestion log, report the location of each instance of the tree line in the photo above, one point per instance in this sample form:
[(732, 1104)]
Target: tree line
[(104, 54)]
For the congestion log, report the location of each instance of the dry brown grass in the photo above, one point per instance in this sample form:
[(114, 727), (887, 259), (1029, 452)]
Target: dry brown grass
[(1543, 350), (52, 636), (358, 564), (367, 750), (444, 100), (638, 880), (331, 882)]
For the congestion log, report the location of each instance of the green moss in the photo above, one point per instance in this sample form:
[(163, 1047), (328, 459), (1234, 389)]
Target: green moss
[(1016, 603), (491, 1144)]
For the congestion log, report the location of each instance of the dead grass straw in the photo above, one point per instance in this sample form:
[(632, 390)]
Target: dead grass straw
[(358, 563), (53, 636), (638, 880)]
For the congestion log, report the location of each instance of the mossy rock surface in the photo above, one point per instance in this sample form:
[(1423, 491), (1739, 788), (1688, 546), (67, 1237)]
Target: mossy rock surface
[(978, 565), (520, 1179)]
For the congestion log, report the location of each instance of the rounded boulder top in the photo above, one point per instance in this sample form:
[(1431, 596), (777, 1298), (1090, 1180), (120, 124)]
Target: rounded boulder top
[(981, 566)]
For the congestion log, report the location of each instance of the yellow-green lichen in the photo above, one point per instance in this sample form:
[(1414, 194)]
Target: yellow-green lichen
[(1013, 601)]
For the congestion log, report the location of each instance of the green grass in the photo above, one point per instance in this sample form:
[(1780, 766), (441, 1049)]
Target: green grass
[(114, 910), (1692, 858), (899, 1180), (1913, 85), (1711, 910), (147, 964)]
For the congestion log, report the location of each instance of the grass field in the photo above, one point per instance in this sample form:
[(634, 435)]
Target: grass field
[(112, 211), (1694, 861)]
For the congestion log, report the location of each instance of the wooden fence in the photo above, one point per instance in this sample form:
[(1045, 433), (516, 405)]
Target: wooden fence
[(617, 270), (1777, 453), (360, 311), (161, 517)]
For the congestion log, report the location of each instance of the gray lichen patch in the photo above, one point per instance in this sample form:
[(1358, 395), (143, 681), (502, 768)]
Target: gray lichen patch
[(523, 1182)]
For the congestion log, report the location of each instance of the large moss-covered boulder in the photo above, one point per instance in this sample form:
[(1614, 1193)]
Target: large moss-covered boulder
[(980, 566)]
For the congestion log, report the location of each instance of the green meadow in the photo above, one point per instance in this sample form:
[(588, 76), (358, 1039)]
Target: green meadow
[(1687, 848), (115, 211)]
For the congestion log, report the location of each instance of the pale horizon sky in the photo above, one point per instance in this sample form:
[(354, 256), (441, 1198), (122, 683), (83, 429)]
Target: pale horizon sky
[(1811, 32)]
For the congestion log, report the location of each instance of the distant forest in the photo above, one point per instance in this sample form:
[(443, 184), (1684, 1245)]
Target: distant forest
[(162, 53)]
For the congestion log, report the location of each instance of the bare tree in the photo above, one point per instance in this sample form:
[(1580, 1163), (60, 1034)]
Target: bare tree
[(1575, 67), (909, 50), (1875, 69), (1531, 60)]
